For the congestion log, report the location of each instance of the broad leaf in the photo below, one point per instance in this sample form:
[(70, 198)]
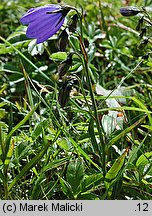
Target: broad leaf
[(74, 174)]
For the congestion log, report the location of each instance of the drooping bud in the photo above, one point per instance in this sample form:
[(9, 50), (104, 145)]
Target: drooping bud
[(64, 93), (130, 11), (73, 23), (65, 65), (62, 41)]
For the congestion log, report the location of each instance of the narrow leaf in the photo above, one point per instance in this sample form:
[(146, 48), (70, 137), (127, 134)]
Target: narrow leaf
[(79, 149), (92, 136), (124, 132), (116, 167), (144, 159)]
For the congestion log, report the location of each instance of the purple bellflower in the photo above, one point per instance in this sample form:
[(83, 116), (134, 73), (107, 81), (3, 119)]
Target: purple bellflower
[(43, 22)]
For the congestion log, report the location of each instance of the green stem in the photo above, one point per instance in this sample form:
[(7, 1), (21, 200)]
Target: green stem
[(99, 127), (101, 149)]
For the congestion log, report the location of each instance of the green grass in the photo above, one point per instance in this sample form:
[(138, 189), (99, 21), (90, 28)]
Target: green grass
[(87, 135)]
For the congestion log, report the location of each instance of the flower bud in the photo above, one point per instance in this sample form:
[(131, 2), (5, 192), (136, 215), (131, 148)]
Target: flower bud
[(73, 23), (64, 93), (62, 41), (129, 11), (65, 65)]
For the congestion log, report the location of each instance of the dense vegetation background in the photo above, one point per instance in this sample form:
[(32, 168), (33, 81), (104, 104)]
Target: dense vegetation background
[(60, 137)]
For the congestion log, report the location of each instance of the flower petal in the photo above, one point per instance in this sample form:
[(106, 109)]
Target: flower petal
[(47, 22), (47, 34), (34, 13), (44, 21), (45, 27)]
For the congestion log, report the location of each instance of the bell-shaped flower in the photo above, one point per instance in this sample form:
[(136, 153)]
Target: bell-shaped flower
[(43, 22)]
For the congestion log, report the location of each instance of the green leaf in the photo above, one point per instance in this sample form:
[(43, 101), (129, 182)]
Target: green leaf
[(17, 38), (59, 56), (8, 138), (137, 101), (63, 143), (91, 181), (149, 63), (91, 51), (56, 163), (147, 126), (9, 154), (91, 132), (80, 150), (26, 59), (38, 128), (66, 188), (74, 174), (124, 132), (36, 188), (116, 167), (144, 159), (31, 163), (3, 125), (2, 113), (89, 196), (74, 42)]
